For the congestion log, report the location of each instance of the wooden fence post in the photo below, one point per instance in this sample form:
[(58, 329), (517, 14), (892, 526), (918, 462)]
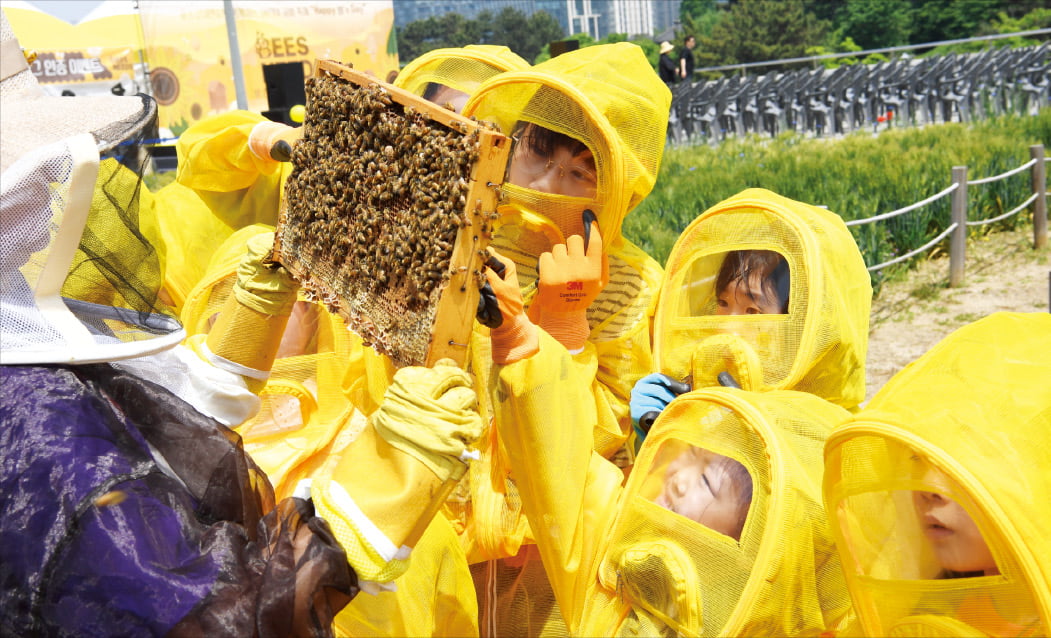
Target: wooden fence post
[(1039, 180), (958, 239)]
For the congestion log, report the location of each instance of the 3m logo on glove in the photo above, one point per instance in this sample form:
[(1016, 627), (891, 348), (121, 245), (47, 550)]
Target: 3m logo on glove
[(575, 285)]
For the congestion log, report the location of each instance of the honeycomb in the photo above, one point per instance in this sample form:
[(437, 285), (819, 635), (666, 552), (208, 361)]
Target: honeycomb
[(388, 211)]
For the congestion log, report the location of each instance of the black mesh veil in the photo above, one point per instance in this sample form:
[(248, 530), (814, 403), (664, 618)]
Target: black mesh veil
[(115, 280)]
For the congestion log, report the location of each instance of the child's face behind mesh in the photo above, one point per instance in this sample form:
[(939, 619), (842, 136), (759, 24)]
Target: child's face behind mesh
[(748, 297), (752, 282), (953, 535), (708, 488), (545, 162), (446, 95)]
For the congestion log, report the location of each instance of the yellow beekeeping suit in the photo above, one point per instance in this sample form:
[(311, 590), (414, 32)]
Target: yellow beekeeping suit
[(310, 397), (817, 346), (220, 187), (937, 488), (608, 98), (623, 563)]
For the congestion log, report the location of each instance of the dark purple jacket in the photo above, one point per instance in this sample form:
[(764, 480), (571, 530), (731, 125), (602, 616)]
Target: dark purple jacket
[(97, 539)]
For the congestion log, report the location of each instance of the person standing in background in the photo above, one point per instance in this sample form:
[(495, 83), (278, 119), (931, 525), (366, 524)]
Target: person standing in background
[(666, 66), (686, 58)]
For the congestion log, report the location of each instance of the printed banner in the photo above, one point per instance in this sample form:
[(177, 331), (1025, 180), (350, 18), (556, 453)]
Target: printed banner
[(179, 51), (188, 50)]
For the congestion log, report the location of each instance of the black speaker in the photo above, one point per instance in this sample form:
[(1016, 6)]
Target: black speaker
[(284, 89), (559, 47)]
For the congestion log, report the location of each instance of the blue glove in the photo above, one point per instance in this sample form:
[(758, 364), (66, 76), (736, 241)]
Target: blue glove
[(649, 396)]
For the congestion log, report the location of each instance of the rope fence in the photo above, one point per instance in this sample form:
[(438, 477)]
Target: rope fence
[(902, 211), (957, 229)]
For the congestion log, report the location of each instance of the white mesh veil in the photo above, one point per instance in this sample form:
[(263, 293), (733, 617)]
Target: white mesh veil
[(80, 271)]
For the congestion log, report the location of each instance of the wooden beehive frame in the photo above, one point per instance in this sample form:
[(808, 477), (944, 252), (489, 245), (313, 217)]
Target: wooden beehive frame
[(451, 309)]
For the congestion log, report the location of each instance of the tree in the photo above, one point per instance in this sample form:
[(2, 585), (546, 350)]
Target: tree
[(541, 29), (697, 18), (694, 9), (760, 30), (875, 24), (449, 30), (510, 28), (935, 20)]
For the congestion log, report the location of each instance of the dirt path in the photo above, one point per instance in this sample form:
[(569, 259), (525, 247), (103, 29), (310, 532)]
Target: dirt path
[(917, 310)]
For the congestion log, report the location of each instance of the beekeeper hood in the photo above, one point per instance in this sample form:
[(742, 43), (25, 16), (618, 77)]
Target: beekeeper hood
[(817, 346), (722, 531), (607, 97), (461, 69), (80, 276), (937, 490)]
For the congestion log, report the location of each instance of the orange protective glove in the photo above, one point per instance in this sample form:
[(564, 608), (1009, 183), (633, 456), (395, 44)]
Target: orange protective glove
[(273, 141), (515, 338), (571, 277)]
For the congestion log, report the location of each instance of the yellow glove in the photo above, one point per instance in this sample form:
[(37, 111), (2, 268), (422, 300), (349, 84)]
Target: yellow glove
[(571, 277), (247, 334), (383, 491), (516, 337), (273, 141), (730, 354)]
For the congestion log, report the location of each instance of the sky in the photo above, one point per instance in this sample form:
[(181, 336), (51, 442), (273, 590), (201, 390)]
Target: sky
[(69, 10)]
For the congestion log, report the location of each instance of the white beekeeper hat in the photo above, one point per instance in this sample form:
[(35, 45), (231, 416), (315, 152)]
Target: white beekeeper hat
[(32, 119), (79, 278)]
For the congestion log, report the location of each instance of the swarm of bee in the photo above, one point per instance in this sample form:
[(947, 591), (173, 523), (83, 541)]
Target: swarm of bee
[(384, 212)]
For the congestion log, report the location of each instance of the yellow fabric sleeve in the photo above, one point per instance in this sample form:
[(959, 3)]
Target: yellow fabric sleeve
[(434, 598), (568, 492), (220, 187), (214, 154), (245, 341), (621, 361), (382, 492)]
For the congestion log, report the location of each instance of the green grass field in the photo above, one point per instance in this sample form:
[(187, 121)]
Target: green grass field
[(857, 176)]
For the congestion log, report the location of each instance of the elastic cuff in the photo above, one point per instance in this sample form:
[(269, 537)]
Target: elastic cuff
[(247, 338), (262, 137), (369, 551), (514, 340), (231, 366), (571, 329)]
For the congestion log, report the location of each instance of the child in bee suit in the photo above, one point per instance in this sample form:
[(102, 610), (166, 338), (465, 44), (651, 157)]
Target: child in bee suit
[(314, 401), (708, 320), (937, 489), (448, 77), (588, 128), (719, 529), (379, 482), (112, 523)]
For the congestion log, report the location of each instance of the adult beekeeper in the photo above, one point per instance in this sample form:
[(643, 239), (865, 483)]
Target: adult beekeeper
[(936, 489), (112, 523)]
